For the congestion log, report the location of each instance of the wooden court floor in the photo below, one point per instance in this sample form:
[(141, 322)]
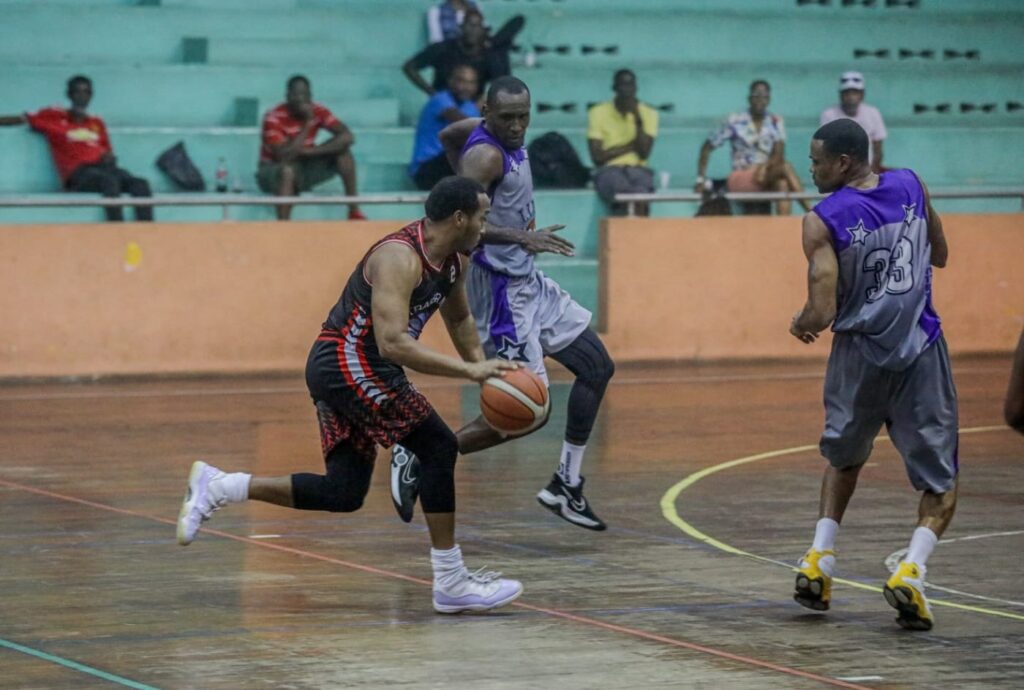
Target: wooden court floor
[(689, 588)]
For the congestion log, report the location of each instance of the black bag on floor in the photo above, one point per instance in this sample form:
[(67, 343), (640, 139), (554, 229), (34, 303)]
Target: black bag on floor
[(179, 167), (555, 164)]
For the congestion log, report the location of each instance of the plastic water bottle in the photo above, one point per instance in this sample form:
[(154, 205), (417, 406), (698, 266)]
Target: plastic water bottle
[(221, 176)]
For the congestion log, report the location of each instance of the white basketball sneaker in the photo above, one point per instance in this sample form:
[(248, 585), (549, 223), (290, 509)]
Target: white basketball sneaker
[(476, 591), (205, 495)]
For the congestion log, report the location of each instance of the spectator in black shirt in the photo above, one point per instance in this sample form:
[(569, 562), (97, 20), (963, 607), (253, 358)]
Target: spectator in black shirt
[(487, 54)]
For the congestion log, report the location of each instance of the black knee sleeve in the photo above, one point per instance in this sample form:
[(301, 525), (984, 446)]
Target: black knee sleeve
[(437, 449), (587, 358), (344, 486)]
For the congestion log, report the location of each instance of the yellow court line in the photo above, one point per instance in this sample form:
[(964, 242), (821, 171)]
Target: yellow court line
[(668, 509)]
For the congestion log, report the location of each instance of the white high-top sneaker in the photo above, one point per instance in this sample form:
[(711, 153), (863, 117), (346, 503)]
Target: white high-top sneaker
[(205, 495), (476, 591)]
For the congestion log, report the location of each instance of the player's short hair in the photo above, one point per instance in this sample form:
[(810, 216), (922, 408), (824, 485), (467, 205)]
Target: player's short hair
[(294, 79), (509, 85), (760, 82), (451, 194), (79, 79), (844, 136)]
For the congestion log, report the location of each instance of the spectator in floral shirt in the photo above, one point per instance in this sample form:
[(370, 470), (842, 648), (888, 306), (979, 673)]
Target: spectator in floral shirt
[(758, 140)]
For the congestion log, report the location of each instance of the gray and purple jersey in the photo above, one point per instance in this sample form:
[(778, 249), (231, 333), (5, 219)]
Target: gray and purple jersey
[(885, 277), (511, 206)]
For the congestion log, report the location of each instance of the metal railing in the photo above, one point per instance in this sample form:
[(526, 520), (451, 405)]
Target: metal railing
[(948, 193), (226, 201)]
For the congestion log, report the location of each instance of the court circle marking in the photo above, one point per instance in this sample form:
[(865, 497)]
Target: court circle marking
[(668, 510)]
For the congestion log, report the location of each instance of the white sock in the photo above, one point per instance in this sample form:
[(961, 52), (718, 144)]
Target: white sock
[(921, 545), (236, 486), (825, 534), (570, 463), (447, 564)]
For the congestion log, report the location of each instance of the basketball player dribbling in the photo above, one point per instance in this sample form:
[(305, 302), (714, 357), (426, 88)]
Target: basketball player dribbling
[(871, 245), (521, 314), (363, 399)]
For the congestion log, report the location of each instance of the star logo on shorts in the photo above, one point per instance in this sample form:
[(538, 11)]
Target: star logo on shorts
[(858, 232), (511, 350), (908, 214)]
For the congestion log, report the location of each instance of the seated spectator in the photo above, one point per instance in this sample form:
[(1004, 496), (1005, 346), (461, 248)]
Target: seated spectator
[(292, 162), (852, 105), (444, 20), (81, 150), (475, 47), (758, 140), (620, 135), (429, 162)]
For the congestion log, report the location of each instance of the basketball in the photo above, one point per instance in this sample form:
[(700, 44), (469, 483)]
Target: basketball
[(515, 403)]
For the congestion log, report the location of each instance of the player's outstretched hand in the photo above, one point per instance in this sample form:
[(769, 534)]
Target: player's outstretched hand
[(545, 240), (481, 371)]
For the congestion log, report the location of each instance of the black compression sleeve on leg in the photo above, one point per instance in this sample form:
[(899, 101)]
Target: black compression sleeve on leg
[(342, 489), (437, 449), (587, 358)]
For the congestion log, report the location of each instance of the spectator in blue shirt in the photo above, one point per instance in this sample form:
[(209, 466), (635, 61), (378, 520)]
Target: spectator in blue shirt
[(429, 162)]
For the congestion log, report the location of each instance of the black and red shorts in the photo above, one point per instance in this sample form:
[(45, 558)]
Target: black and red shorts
[(358, 406)]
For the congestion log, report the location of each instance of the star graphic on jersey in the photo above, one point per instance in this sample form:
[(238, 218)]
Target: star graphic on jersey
[(511, 350), (908, 214), (858, 233)]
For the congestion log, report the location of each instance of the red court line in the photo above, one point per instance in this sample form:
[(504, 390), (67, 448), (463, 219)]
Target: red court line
[(634, 632)]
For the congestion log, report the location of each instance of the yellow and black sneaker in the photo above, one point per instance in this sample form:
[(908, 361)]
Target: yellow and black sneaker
[(904, 591), (814, 579)]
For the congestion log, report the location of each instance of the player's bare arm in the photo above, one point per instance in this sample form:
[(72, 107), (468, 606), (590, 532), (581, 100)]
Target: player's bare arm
[(485, 164), (936, 237), (458, 319), (822, 278), (394, 271)]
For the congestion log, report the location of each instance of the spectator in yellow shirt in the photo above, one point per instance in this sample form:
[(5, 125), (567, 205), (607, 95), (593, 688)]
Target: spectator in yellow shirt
[(621, 134)]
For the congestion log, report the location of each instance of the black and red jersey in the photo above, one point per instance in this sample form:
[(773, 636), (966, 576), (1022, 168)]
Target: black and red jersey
[(350, 322)]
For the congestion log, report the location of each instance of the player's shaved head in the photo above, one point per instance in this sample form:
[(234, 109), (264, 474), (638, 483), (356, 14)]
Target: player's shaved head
[(509, 85)]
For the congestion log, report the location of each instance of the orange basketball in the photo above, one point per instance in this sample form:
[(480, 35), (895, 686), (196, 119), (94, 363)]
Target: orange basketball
[(516, 403)]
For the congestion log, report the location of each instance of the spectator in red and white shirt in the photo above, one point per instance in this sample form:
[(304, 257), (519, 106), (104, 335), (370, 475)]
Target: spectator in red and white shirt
[(290, 159), (81, 150)]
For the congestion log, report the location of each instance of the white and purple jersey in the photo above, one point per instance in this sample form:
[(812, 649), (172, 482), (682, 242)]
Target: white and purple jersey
[(880, 236), (511, 206)]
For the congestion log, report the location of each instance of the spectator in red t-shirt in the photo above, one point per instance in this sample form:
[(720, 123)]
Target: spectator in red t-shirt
[(290, 159), (81, 150)]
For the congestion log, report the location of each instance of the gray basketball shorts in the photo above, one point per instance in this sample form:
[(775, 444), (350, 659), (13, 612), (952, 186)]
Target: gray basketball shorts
[(523, 318), (917, 405)]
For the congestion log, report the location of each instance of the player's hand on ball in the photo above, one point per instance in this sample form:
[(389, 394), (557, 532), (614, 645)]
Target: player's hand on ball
[(481, 371), (545, 240)]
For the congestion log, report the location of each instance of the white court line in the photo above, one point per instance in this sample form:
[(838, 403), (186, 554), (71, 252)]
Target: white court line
[(855, 679), (892, 561), (264, 536), (275, 390)]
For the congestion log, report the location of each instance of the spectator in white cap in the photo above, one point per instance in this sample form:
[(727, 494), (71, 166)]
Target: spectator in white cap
[(852, 106)]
